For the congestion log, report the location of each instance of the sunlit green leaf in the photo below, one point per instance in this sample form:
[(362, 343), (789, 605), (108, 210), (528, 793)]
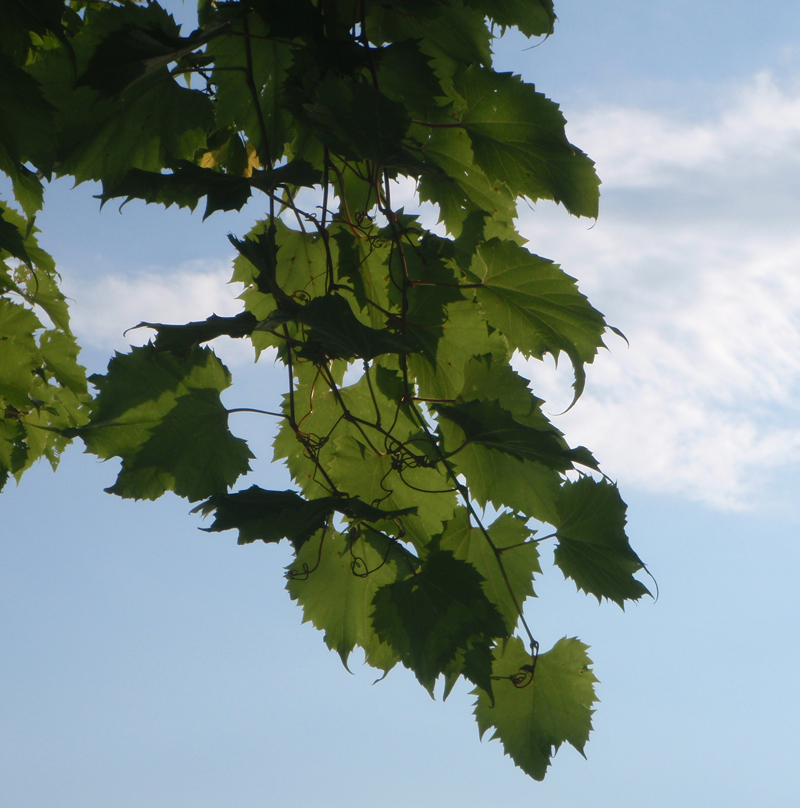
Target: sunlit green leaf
[(507, 560), (533, 715), (536, 305), (518, 138), (335, 578)]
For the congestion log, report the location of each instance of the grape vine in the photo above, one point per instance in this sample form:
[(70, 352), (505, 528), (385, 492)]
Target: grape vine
[(425, 467)]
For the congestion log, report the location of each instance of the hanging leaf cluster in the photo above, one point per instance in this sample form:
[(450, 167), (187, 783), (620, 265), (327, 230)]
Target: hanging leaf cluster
[(425, 470)]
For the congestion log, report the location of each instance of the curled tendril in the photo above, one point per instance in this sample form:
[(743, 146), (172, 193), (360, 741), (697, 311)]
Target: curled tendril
[(525, 675), (358, 566), (425, 490), (312, 443), (302, 575), (521, 678)]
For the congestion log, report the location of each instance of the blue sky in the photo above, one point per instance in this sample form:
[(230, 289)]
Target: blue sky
[(145, 663)]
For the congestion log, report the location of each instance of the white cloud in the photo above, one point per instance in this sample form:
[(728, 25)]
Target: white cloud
[(758, 128), (706, 402), (102, 309)]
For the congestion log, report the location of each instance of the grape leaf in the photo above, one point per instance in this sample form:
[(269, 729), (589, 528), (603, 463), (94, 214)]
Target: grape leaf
[(487, 424), (320, 424), (291, 19), (41, 288), (536, 305), (518, 138), (358, 121), (433, 614), (519, 557), (503, 480), (335, 332), (532, 17), (162, 415), (532, 718), (13, 451), (19, 356), (60, 358), (439, 367), (489, 377), (362, 263), (405, 74), (334, 578), (270, 516), (180, 339), (448, 32), (153, 124), (25, 24), (278, 267), (266, 125), (42, 389), (592, 548), (147, 41), (376, 480), (27, 133), (182, 187), (11, 242), (459, 187)]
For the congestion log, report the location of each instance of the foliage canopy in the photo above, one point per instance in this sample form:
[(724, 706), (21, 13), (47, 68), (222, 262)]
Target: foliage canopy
[(398, 469)]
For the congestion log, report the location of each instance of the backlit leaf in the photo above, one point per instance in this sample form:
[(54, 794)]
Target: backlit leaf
[(533, 716), (335, 578), (431, 615), (532, 17), (592, 548), (163, 417), (518, 556), (518, 138), (536, 305)]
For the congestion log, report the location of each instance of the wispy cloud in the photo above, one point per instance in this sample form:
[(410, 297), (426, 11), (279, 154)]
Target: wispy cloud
[(697, 258), (104, 309), (754, 128)]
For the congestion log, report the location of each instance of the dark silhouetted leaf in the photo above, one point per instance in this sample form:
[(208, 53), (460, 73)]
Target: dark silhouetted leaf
[(592, 548), (431, 615), (180, 339)]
